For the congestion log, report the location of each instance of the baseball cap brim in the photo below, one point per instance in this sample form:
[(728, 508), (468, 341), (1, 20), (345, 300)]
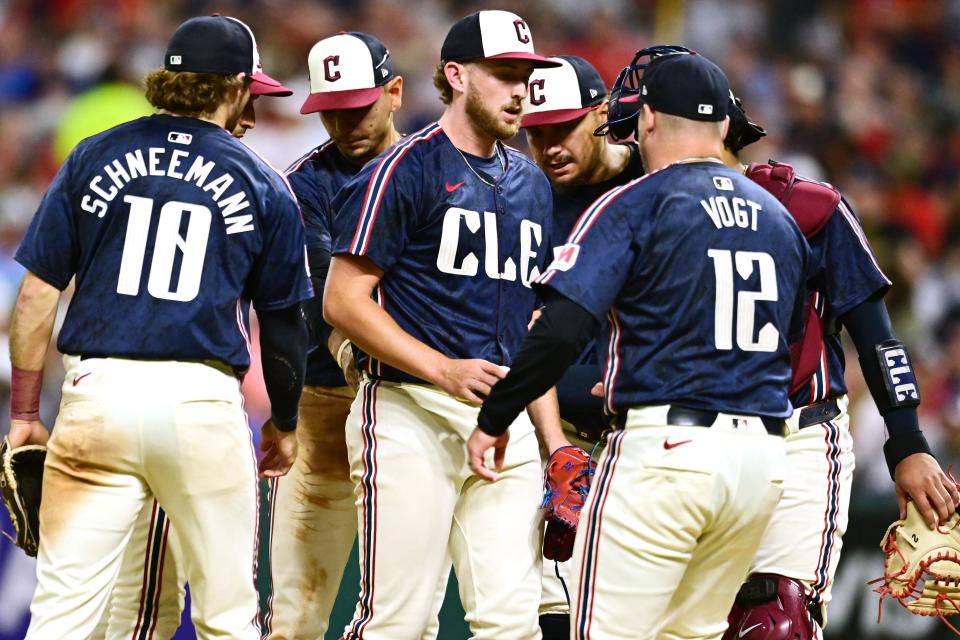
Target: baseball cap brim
[(539, 62), (556, 116), (349, 99), (263, 85)]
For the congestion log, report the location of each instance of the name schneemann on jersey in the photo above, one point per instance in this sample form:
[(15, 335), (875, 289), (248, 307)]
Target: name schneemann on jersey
[(179, 164)]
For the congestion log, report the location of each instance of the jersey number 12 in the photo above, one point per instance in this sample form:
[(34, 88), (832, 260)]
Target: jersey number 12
[(723, 267), (193, 246)]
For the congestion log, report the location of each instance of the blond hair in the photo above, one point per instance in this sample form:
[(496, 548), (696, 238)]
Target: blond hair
[(189, 93)]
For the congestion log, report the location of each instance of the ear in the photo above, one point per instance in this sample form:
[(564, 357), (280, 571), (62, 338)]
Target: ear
[(456, 74), (603, 110), (726, 128), (395, 89), (648, 119)]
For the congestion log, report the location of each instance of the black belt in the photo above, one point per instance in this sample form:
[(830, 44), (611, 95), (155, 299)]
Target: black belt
[(687, 417), (820, 412)]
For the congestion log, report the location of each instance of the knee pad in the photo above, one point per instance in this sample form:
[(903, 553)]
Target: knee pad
[(771, 607)]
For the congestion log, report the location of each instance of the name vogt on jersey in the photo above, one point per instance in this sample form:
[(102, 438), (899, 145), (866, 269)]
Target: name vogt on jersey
[(178, 164), (727, 212)]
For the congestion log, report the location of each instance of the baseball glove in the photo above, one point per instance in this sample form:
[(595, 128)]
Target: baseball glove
[(21, 480), (566, 484), (922, 566)]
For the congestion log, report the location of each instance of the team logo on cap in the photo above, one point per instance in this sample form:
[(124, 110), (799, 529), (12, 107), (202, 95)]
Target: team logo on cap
[(537, 97), (329, 68), (523, 31)]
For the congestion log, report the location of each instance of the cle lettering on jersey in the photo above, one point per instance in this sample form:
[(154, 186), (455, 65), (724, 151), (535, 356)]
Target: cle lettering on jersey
[(178, 164)]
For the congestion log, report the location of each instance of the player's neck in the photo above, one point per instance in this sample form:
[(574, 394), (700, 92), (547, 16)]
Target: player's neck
[(219, 117), (464, 133), (680, 150), (614, 159), (388, 141)]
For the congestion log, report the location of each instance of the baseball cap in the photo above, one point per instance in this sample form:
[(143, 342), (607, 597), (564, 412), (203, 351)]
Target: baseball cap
[(685, 84), (563, 93), (347, 71), (219, 44), (491, 35)]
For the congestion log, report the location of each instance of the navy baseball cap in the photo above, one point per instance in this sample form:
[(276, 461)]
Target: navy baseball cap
[(347, 71), (684, 84), (563, 93), (491, 35), (219, 44)]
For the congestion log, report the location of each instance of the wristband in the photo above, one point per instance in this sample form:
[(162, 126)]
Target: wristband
[(340, 351), (901, 446), (285, 425), (25, 394)]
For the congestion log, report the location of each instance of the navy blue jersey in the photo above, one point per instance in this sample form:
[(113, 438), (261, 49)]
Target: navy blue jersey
[(171, 227), (569, 205), (458, 251), (316, 178), (848, 275), (700, 273)]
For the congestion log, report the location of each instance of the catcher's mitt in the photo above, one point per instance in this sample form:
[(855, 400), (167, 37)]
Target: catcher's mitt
[(922, 566), (21, 480), (566, 483)]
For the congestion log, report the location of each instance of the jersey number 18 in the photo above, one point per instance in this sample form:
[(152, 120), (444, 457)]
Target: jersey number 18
[(723, 267), (193, 246)]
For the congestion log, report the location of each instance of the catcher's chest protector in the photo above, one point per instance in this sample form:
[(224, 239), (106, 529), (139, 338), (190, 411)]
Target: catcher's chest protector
[(811, 204)]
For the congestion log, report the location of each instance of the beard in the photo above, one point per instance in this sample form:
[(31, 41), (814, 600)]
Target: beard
[(488, 120)]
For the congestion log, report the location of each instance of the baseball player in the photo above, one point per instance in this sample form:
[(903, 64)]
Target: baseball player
[(148, 596), (314, 521), (435, 245), (171, 228), (563, 107), (787, 595), (699, 273)]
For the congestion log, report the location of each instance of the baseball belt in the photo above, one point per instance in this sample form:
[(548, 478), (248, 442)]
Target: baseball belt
[(816, 413)]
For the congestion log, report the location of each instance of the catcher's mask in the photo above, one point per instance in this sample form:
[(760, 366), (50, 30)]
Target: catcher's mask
[(622, 112), (743, 131)]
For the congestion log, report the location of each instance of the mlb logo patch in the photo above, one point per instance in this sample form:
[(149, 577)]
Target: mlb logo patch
[(723, 183), (179, 138), (564, 257), (706, 109), (176, 59)]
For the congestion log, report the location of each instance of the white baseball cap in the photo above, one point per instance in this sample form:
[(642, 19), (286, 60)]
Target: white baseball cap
[(347, 71), (563, 93), (491, 35)]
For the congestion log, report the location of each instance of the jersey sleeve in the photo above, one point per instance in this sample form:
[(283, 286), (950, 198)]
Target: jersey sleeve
[(851, 273), (279, 278), (593, 265), (376, 212), (50, 248), (314, 206)]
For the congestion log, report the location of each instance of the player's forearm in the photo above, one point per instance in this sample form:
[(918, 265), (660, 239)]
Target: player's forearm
[(869, 327), (32, 322), (554, 342), (283, 354), (372, 329), (544, 413), (348, 307)]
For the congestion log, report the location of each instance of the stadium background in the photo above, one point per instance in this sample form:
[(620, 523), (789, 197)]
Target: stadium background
[(865, 94)]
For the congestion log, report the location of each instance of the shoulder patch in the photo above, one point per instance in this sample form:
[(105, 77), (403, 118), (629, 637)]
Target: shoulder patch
[(564, 257), (810, 203)]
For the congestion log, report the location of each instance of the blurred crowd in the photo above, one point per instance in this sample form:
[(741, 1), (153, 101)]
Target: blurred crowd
[(864, 94)]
